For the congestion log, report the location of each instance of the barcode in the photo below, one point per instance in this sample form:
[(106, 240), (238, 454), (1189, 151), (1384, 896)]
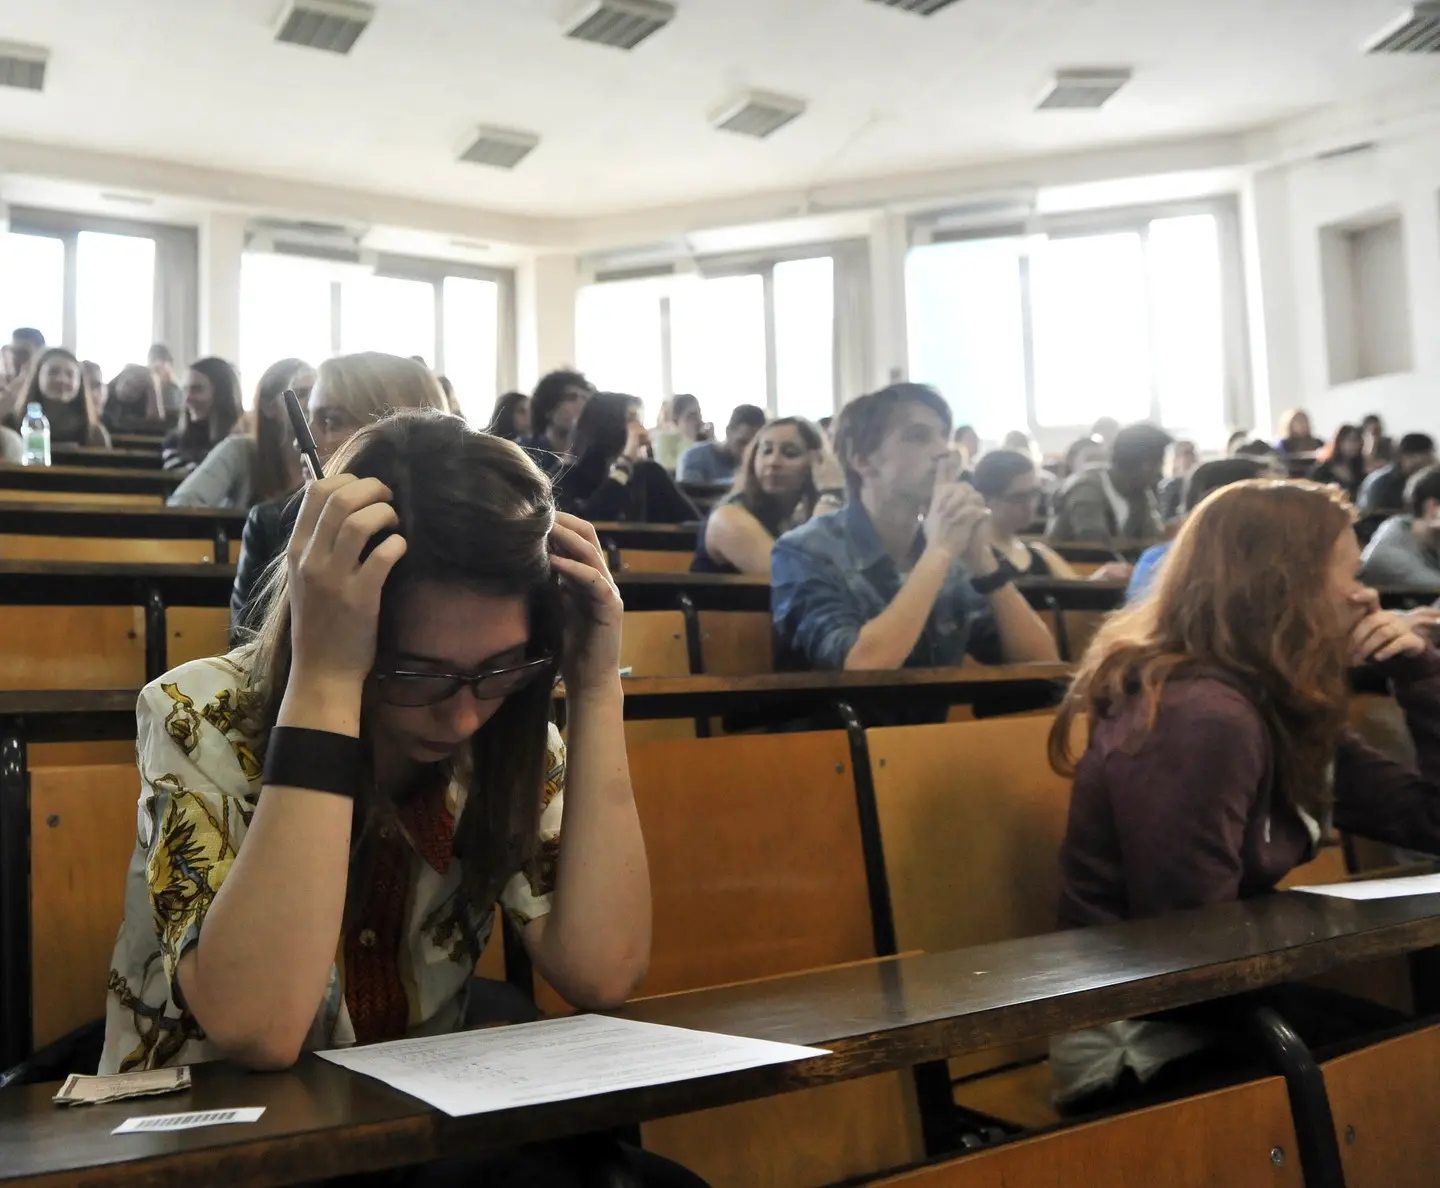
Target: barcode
[(188, 1121)]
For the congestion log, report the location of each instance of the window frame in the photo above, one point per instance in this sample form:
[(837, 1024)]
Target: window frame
[(1237, 397)]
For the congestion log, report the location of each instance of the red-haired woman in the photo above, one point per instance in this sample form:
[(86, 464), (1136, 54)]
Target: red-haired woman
[(1219, 753)]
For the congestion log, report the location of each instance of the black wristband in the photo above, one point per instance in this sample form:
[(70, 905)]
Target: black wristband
[(1001, 578), (318, 760)]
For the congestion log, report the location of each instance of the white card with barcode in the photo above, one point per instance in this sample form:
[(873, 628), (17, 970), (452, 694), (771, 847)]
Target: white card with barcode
[(188, 1121)]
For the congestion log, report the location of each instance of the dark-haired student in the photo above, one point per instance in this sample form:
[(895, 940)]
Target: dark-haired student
[(162, 366), (56, 381), (555, 409), (1010, 484), (1384, 490), (613, 476), (1106, 504), (1207, 477), (212, 407), (511, 418), (1342, 462), (132, 402), (788, 475), (868, 587), (717, 461), (330, 816), (1405, 550), (1219, 756)]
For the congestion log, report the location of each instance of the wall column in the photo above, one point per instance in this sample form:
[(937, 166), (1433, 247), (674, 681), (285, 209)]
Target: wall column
[(545, 291), (222, 243)]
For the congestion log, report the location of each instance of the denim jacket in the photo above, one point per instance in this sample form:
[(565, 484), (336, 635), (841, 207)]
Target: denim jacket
[(831, 576)]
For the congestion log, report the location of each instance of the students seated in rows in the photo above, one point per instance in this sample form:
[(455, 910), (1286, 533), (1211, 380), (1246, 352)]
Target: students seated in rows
[(511, 418), (1107, 504), (24, 347), (554, 412), (212, 408), (1384, 490), (1342, 462), (330, 816), (172, 395), (788, 476), (56, 382), (1010, 484), (867, 587), (1295, 434), (1208, 477), (1219, 753), (679, 426), (132, 402), (717, 461), (350, 392), (1405, 550), (613, 476), (1180, 464), (250, 467)]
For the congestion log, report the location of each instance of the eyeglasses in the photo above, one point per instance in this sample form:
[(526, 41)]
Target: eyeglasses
[(415, 689)]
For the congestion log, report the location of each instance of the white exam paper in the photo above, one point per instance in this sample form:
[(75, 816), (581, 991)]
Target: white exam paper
[(475, 1072), (1379, 888)]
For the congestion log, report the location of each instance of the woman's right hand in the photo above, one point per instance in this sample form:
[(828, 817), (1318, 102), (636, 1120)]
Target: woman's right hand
[(334, 598), (826, 471), (637, 441)]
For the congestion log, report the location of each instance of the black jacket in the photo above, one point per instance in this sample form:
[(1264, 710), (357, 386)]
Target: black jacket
[(267, 532)]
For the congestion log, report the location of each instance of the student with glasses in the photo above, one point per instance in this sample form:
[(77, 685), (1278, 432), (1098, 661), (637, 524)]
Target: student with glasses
[(331, 815)]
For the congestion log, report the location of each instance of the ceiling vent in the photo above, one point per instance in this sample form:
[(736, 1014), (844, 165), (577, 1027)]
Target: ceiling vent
[(501, 148), (1414, 31), (918, 7), (330, 25), (23, 66), (623, 24), (757, 113), (1082, 90)]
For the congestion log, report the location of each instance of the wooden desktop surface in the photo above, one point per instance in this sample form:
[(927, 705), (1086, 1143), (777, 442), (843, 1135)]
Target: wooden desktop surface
[(322, 1121)]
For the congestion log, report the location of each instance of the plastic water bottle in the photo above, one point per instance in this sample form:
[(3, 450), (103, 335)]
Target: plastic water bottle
[(35, 433)]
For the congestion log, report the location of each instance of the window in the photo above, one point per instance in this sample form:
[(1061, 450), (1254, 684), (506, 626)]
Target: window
[(715, 336), (805, 338), (32, 292), (966, 332), (114, 299), (1125, 318), (291, 306)]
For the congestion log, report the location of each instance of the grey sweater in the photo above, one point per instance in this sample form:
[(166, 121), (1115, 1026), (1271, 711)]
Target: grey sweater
[(1395, 556)]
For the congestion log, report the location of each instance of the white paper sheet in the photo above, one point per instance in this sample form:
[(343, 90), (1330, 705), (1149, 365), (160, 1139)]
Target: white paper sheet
[(1380, 888), (190, 1121), (475, 1072)]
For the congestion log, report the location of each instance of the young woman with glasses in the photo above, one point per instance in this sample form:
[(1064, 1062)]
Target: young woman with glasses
[(330, 815)]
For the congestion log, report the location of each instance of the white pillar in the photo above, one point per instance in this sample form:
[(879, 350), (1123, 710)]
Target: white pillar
[(545, 291), (222, 242), (889, 241)]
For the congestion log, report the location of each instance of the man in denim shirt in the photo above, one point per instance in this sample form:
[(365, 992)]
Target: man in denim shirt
[(869, 588)]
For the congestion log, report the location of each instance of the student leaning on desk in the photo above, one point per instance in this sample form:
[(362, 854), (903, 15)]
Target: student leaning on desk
[(329, 814)]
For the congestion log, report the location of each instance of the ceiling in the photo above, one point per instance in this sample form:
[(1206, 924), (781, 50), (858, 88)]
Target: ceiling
[(202, 82)]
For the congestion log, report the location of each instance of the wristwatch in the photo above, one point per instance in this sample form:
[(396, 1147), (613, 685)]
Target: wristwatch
[(992, 581)]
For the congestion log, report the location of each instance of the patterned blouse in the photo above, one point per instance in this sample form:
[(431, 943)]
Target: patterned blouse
[(403, 967)]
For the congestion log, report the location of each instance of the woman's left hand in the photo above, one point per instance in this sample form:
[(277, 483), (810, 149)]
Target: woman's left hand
[(1381, 635), (593, 609)]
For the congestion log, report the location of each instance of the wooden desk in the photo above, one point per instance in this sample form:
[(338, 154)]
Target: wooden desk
[(322, 1121), (694, 591), (116, 459), (109, 480), (219, 525), (676, 538), (139, 441)]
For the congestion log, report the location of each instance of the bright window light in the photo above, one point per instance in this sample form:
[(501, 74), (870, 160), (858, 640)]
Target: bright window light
[(1092, 335), (114, 299), (966, 332), (284, 314), (618, 339), (389, 314), (805, 338), (472, 334), (717, 343), (1186, 310), (32, 285)]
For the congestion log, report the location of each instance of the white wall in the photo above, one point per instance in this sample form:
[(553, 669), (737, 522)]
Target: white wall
[(1292, 205)]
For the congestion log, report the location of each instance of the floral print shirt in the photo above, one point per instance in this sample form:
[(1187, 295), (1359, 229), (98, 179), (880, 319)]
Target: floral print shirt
[(412, 952)]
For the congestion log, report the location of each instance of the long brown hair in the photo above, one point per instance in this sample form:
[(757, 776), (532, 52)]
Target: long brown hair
[(273, 475), (35, 395), (1243, 594), (475, 512), (763, 507)]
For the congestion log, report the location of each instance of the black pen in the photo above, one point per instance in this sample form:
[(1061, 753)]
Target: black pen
[(302, 432)]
